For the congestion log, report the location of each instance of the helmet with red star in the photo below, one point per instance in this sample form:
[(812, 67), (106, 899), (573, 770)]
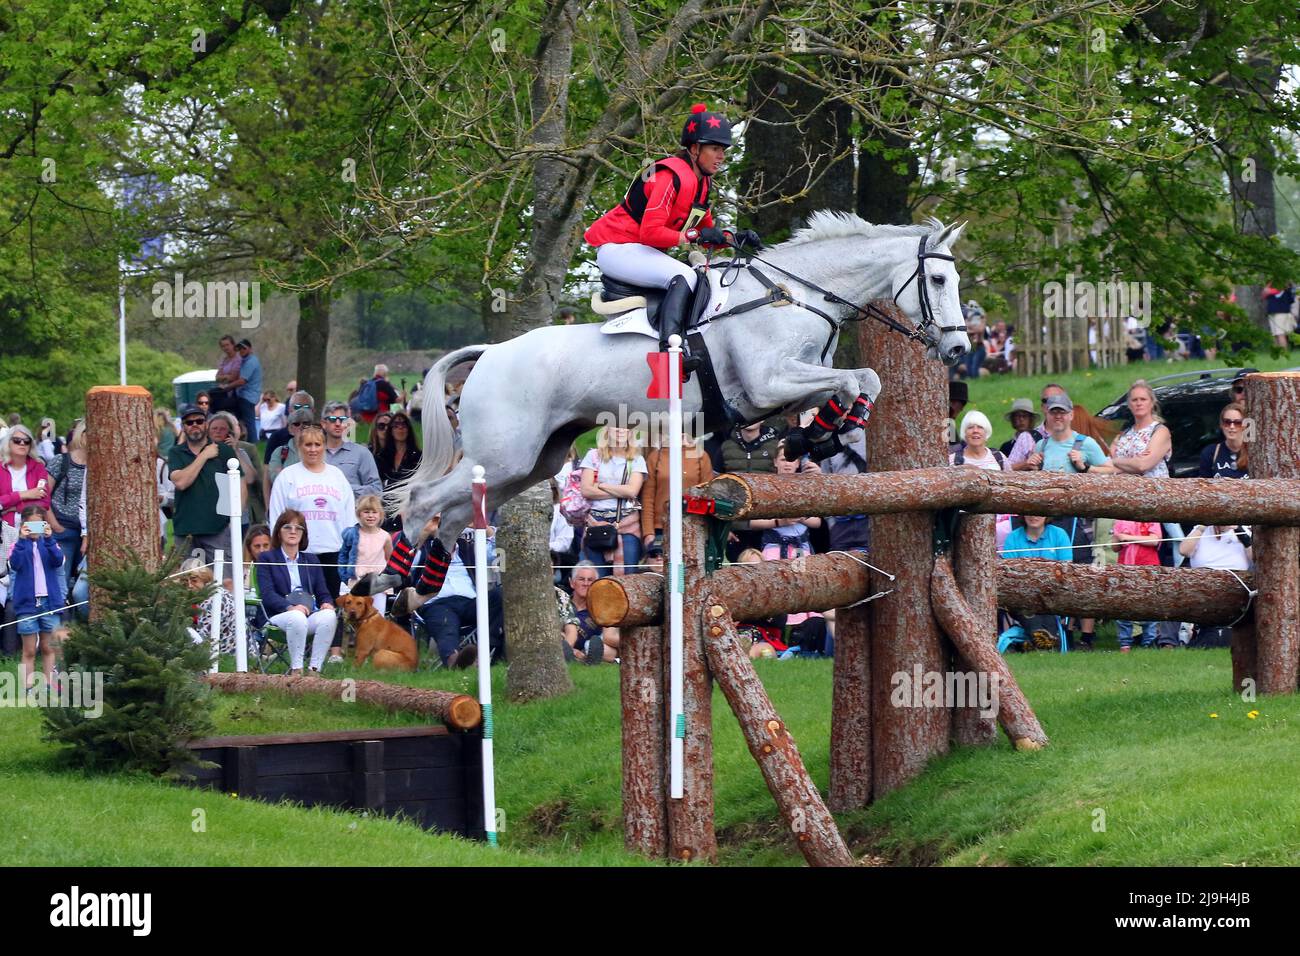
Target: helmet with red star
[(705, 126)]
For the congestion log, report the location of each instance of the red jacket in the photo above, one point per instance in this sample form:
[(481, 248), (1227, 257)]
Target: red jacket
[(11, 506), (662, 201)]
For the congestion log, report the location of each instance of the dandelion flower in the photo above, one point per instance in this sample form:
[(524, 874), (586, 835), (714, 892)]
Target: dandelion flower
[(1253, 714), (1214, 716)]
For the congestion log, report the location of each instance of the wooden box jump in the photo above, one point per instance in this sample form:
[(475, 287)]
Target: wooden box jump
[(431, 775)]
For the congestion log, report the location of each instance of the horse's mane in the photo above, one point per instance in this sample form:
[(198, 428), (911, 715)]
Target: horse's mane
[(829, 224)]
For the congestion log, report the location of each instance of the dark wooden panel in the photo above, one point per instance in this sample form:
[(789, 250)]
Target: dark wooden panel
[(432, 784), (446, 816), (407, 754), (241, 767), (326, 736), (334, 789), (368, 785)]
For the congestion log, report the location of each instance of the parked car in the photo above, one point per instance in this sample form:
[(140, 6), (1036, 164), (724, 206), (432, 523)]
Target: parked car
[(1190, 403)]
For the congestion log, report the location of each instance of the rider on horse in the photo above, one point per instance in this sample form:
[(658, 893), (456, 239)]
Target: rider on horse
[(665, 207)]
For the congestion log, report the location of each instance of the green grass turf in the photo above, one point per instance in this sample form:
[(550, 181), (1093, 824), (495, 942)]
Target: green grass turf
[(1131, 736)]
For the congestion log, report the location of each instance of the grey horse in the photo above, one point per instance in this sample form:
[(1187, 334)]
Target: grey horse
[(527, 400)]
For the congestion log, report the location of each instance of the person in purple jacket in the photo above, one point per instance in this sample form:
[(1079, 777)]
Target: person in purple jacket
[(294, 594), (35, 562)]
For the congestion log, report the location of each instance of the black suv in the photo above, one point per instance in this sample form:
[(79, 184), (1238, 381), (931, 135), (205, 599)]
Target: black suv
[(1190, 403)]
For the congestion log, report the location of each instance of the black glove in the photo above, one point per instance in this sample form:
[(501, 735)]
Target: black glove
[(713, 236), (748, 238)]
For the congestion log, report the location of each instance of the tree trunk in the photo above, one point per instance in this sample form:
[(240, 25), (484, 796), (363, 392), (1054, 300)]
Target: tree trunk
[(121, 491), (1273, 402), (975, 542), (1122, 592), (904, 432), (798, 153), (970, 634), (536, 669), (643, 692), (1253, 191), (458, 711), (313, 343), (770, 742), (1199, 500), (850, 787), (690, 820)]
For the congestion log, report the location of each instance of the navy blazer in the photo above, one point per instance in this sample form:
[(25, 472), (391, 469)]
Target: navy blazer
[(273, 583)]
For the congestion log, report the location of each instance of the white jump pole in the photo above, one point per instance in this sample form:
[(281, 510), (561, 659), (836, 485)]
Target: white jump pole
[(676, 572), (237, 565), (479, 489), (121, 320), (214, 631)]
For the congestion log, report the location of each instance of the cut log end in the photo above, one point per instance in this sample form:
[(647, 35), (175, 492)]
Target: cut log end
[(464, 713), (607, 601), (119, 390)]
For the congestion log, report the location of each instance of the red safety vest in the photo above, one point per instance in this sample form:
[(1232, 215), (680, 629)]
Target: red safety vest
[(657, 208)]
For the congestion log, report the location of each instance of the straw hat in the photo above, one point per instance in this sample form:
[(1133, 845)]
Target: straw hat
[(1024, 405)]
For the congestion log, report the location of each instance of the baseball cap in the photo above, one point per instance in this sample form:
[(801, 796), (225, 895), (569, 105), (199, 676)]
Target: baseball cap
[(243, 343), (189, 409), (1061, 402)]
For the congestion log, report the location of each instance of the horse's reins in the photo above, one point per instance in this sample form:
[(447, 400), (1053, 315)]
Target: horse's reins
[(777, 294)]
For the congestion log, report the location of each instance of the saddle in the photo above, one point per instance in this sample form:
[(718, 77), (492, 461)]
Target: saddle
[(617, 297)]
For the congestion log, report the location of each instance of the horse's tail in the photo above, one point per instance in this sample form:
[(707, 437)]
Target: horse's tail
[(439, 453)]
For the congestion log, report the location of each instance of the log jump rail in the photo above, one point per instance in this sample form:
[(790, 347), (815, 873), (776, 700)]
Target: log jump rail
[(936, 611)]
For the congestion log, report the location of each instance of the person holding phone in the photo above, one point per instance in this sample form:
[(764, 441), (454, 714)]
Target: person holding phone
[(294, 593), (36, 562)]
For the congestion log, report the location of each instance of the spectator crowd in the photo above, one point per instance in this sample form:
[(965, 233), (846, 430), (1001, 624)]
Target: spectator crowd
[(314, 523)]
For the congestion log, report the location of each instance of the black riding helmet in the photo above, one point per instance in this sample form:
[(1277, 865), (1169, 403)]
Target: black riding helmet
[(706, 126)]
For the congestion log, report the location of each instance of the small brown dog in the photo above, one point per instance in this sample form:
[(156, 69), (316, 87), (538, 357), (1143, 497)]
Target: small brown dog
[(392, 648)]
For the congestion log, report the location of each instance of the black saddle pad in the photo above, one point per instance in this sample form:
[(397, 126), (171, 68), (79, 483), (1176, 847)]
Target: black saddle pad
[(613, 290)]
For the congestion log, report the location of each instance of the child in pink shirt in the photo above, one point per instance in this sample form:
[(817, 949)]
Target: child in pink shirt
[(1138, 543)]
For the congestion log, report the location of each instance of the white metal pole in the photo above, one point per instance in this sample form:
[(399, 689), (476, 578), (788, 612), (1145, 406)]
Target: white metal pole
[(214, 631), (237, 564), (479, 488), (121, 321), (676, 573)]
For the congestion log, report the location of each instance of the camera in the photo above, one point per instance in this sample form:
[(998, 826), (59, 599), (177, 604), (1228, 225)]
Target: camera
[(35, 527)]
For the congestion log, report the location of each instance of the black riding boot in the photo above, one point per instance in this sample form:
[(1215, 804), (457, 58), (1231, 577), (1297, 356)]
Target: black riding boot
[(672, 312)]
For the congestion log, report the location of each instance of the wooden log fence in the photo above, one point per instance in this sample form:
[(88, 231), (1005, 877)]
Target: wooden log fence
[(933, 614)]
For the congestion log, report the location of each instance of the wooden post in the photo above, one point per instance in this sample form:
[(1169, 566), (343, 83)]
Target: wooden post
[(690, 819), (974, 558), (643, 691), (121, 490), (770, 742), (851, 712), (1273, 407), (960, 623), (907, 430)]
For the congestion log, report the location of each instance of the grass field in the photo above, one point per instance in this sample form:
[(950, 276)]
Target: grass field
[(1134, 750)]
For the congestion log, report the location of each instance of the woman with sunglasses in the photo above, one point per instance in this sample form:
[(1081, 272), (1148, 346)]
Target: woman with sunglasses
[(292, 585), (397, 458), (1227, 458), (23, 481), (378, 433)]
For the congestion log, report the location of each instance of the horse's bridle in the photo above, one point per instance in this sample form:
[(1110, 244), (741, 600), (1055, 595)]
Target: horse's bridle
[(927, 326)]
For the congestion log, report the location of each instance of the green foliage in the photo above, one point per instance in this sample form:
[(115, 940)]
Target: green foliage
[(55, 382), (153, 702)]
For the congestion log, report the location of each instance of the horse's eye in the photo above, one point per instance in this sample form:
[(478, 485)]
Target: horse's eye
[(938, 280)]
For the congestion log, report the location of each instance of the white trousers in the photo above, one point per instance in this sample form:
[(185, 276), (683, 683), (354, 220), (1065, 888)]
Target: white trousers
[(297, 626), (641, 265)]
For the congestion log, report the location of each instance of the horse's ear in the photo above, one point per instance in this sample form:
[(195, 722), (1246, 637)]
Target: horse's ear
[(949, 236)]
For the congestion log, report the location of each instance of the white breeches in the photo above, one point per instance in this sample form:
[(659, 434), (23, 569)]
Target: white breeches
[(297, 626), (638, 264)]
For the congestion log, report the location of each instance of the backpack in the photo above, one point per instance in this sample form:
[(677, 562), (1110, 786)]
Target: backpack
[(960, 458), (573, 506), (367, 399), (1041, 445)]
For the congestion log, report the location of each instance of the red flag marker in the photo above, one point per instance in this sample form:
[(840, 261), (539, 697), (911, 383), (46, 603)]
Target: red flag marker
[(479, 489), (658, 362)]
